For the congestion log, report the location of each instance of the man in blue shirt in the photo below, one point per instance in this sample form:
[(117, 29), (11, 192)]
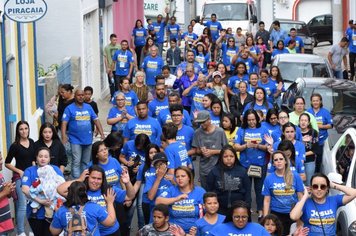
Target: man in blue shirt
[(174, 30), (276, 34), (214, 27), (143, 124), (159, 28), (351, 36), (152, 66), (299, 47), (190, 58), (123, 61), (160, 102), (189, 37), (77, 118)]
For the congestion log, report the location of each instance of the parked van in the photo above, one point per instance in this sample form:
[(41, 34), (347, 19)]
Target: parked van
[(232, 13)]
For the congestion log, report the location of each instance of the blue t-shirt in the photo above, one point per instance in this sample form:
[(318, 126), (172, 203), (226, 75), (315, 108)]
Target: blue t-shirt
[(270, 88), (323, 117), (204, 228), (159, 31), (282, 199), (143, 178), (299, 149), (203, 60), (131, 98), (115, 113), (279, 51), (164, 117), (250, 65), (351, 36), (98, 198), (299, 44), (123, 61), (113, 171), (277, 134), (185, 136), (164, 185), (130, 151), (29, 176), (327, 213), (228, 53), (197, 95), (252, 156), (298, 168), (184, 212), (215, 120), (93, 213), (155, 106), (256, 107), (271, 128), (229, 229), (79, 123), (148, 126), (191, 36), (139, 35), (183, 66), (215, 28), (173, 31), (152, 67), (234, 82), (177, 155)]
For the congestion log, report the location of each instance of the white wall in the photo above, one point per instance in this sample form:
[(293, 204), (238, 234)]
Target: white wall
[(308, 9), (58, 32)]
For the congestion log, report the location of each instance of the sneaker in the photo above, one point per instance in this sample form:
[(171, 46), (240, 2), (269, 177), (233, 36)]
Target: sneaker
[(22, 234)]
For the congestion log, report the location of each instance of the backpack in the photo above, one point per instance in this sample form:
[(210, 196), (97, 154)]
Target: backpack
[(77, 225)]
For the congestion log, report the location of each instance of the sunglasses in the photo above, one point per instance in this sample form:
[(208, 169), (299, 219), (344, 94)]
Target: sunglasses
[(317, 187), (278, 159)]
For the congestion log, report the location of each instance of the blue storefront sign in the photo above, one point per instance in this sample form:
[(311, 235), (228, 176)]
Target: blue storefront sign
[(25, 11)]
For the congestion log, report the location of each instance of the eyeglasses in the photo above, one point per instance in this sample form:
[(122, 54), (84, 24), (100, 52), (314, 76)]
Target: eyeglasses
[(317, 187), (278, 159), (240, 217)]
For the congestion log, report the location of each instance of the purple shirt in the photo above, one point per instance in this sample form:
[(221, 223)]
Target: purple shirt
[(183, 83)]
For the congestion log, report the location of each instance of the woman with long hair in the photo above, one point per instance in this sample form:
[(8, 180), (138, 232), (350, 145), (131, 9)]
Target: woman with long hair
[(49, 138), (283, 118), (260, 102), (220, 90), (229, 126), (253, 149), (239, 101), (202, 57), (310, 140), (240, 74), (23, 150), (216, 112), (271, 123), (298, 109), (229, 49), (138, 38), (309, 208), (276, 76), (269, 85), (184, 200), (281, 190), (146, 49), (229, 180), (99, 210), (140, 88), (67, 98), (324, 121)]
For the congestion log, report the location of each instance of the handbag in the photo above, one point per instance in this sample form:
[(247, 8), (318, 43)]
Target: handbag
[(254, 171)]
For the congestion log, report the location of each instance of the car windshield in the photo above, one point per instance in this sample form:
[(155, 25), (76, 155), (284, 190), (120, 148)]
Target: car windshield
[(226, 11), (302, 29), (291, 70)]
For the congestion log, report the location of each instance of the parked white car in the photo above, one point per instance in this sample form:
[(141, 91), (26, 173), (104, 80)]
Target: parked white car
[(346, 215)]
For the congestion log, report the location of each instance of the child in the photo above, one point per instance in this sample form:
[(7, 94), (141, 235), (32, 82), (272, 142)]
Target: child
[(211, 218), (150, 28), (272, 224), (88, 93), (263, 50), (174, 55), (229, 126), (6, 188)]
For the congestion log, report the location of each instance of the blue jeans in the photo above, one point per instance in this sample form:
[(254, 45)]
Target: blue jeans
[(81, 157), (160, 48), (309, 171), (20, 208), (338, 74)]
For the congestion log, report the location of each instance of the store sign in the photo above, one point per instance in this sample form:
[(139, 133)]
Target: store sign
[(25, 11)]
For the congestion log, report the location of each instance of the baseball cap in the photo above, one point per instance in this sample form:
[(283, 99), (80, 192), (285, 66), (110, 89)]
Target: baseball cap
[(217, 73), (202, 116), (161, 156)]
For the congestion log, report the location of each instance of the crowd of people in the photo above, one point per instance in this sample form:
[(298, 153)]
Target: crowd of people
[(189, 135)]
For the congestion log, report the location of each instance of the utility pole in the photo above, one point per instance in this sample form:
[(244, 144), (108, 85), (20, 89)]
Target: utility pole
[(337, 19)]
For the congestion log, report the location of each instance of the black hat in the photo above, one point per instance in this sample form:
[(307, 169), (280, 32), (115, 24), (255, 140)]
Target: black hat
[(161, 156)]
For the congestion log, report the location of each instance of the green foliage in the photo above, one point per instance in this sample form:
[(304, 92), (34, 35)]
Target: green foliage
[(42, 72)]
